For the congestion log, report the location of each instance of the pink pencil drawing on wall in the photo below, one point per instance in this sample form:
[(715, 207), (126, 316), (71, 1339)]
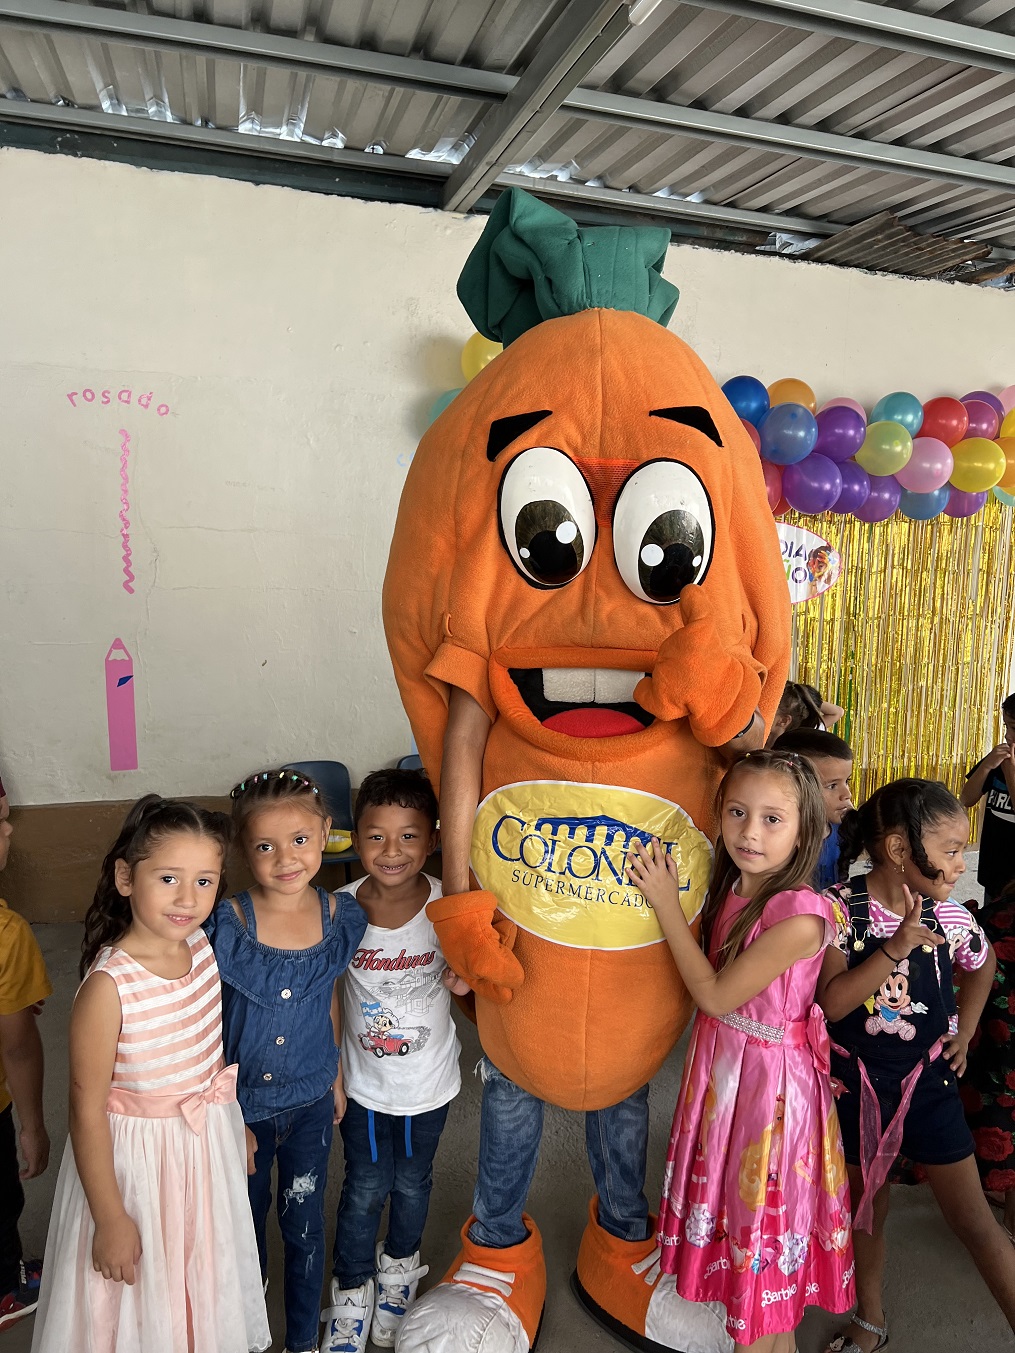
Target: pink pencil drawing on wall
[(120, 715)]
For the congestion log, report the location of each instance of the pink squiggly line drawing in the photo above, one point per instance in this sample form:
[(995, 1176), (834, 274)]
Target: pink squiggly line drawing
[(128, 574)]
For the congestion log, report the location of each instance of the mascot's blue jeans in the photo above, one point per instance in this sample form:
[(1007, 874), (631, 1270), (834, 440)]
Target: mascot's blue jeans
[(510, 1131)]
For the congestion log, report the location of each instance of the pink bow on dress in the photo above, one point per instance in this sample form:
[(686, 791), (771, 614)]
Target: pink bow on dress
[(221, 1090)]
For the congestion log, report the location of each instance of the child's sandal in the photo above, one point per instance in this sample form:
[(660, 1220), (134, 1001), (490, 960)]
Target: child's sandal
[(842, 1344)]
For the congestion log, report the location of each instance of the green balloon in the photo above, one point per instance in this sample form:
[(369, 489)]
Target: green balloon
[(1003, 496), (886, 448)]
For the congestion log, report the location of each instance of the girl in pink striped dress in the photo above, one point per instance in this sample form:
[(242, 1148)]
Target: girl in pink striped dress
[(151, 1246)]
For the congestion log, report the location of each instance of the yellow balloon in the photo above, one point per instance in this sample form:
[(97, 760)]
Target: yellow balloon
[(1008, 426), (477, 353), (1007, 481), (979, 465), (792, 391), (886, 448)]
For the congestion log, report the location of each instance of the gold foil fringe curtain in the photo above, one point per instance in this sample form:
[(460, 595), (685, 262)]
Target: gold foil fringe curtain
[(915, 641)]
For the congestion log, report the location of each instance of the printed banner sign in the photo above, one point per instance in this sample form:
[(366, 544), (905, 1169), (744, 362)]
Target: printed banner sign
[(555, 856), (812, 564)]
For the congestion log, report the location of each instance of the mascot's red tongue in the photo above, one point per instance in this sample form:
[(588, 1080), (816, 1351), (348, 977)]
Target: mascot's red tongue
[(592, 722)]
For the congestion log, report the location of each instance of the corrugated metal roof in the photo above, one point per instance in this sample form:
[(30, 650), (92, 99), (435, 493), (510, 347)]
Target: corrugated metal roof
[(746, 117)]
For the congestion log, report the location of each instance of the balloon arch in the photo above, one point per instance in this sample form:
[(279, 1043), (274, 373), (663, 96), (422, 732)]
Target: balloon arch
[(922, 460)]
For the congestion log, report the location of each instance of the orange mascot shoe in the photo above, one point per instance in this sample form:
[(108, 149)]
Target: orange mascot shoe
[(620, 1284), (489, 1301), (583, 547)]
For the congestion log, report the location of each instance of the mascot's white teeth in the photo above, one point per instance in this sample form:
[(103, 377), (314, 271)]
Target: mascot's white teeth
[(589, 685)]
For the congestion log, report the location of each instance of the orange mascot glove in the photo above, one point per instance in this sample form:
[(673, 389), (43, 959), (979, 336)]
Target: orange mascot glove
[(476, 946), (698, 677)]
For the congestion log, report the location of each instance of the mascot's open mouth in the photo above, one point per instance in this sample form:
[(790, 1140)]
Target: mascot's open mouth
[(582, 702)]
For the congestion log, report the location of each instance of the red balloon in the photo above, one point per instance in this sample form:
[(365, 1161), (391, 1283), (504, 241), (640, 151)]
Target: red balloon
[(754, 434), (946, 419), (773, 482), (781, 508)]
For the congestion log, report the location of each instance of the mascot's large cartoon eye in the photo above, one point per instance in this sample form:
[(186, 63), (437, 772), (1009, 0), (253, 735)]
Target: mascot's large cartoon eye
[(662, 531), (547, 520)]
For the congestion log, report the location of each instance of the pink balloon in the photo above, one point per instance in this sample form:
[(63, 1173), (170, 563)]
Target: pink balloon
[(983, 419), (929, 466), (1007, 398), (848, 403), (754, 434)]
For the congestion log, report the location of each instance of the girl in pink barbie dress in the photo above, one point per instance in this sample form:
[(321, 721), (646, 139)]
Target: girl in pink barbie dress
[(755, 1207), (151, 1245)]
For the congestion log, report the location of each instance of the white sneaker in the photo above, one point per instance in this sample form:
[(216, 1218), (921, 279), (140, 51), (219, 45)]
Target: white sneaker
[(348, 1317), (397, 1280)]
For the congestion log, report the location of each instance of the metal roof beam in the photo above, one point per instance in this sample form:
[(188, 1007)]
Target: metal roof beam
[(579, 39), (783, 139), (213, 138), (675, 207), (165, 33), (882, 26)]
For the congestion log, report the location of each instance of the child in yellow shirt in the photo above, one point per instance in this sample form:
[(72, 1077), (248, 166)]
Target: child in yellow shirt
[(23, 983)]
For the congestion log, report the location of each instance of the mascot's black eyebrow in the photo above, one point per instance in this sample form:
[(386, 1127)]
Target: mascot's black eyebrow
[(503, 431), (692, 416)]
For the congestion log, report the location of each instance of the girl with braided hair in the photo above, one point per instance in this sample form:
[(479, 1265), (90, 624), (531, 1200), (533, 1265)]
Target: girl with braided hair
[(898, 1039), (281, 947)]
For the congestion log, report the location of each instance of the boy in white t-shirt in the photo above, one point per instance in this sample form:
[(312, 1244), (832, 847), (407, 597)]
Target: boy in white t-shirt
[(400, 1064)]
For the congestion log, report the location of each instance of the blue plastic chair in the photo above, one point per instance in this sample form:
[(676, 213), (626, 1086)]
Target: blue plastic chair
[(333, 778), (411, 762)]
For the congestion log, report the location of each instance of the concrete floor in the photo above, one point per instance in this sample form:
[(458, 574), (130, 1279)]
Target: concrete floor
[(934, 1296)]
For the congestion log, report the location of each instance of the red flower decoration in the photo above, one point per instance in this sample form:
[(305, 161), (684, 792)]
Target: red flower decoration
[(1005, 949), (1005, 1101), (999, 1181), (997, 1031), (1011, 1003), (1009, 1080), (993, 1143)]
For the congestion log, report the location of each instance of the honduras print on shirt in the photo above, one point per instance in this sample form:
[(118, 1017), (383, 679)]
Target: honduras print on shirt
[(399, 1046)]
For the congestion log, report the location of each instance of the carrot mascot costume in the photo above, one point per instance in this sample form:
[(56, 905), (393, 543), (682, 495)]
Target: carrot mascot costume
[(586, 608)]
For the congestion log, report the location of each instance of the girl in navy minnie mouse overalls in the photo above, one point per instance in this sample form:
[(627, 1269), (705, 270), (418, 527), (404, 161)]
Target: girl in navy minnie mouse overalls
[(898, 1037)]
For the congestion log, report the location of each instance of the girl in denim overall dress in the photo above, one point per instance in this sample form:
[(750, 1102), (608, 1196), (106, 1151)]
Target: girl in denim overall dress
[(898, 1038), (280, 949)]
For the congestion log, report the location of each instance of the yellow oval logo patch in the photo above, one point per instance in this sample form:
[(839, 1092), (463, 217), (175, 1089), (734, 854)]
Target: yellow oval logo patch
[(554, 854)]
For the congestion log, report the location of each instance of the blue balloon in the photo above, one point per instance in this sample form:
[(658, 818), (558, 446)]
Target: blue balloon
[(441, 403), (748, 397), (924, 506), (788, 433), (903, 408)]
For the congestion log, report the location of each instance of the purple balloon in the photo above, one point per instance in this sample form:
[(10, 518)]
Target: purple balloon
[(812, 484), (983, 419), (882, 500), (856, 487), (985, 397), (962, 504), (841, 431)]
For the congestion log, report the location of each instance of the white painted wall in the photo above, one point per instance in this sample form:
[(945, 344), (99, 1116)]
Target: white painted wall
[(297, 341)]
